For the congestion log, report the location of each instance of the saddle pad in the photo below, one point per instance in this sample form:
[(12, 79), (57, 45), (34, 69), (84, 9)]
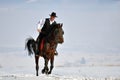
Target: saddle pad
[(42, 45)]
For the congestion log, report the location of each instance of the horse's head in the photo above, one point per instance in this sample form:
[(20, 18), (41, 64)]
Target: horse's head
[(58, 33)]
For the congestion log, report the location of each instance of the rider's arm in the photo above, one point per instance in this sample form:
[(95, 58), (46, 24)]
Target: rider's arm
[(40, 25)]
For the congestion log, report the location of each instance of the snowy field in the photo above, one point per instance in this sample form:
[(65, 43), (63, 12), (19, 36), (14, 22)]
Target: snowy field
[(17, 65)]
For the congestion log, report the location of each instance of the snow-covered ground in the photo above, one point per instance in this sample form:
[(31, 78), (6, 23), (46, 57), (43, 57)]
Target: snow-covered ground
[(17, 65)]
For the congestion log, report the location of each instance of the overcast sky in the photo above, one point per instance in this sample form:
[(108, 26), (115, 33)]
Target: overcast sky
[(89, 25)]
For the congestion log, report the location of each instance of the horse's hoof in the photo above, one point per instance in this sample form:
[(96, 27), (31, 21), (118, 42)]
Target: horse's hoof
[(43, 71), (49, 72), (37, 75)]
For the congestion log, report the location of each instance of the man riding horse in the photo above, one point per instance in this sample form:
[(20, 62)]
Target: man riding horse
[(44, 28)]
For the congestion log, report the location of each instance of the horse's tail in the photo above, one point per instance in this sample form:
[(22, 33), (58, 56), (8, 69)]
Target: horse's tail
[(30, 42)]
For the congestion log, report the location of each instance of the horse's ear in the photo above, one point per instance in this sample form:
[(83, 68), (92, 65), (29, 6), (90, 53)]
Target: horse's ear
[(61, 24)]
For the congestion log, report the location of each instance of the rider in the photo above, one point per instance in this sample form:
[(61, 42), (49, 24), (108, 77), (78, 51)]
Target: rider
[(44, 27)]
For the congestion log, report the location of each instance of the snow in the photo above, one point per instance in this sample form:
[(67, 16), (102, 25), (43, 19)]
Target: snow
[(17, 65)]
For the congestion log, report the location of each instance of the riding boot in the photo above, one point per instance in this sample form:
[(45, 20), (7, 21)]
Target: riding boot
[(39, 40)]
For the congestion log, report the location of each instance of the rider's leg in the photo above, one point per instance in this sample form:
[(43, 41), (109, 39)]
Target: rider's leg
[(38, 43)]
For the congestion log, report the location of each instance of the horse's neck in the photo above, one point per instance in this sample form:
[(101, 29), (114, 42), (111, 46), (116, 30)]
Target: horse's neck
[(51, 40), (51, 37), (53, 45)]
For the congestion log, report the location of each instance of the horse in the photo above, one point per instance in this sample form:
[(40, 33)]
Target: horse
[(54, 38)]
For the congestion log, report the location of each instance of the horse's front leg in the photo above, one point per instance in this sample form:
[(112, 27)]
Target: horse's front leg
[(52, 65), (45, 70), (37, 64)]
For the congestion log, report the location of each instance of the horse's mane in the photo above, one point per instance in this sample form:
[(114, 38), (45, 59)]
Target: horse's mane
[(54, 27)]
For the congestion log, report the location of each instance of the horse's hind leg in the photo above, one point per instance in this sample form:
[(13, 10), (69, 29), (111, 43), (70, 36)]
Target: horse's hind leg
[(52, 64), (37, 65)]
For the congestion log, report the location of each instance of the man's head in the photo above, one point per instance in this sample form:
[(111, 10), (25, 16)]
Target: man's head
[(52, 16)]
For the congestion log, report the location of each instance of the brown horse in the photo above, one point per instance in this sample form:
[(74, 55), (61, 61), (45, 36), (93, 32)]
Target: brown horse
[(51, 42)]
